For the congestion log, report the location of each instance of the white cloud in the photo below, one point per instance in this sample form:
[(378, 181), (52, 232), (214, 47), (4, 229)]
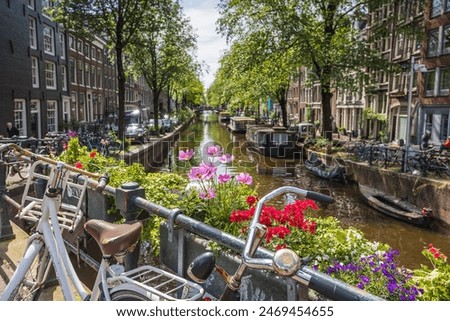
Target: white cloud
[(203, 15)]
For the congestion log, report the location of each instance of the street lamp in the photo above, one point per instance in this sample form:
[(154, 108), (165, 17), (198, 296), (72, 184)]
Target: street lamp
[(413, 67)]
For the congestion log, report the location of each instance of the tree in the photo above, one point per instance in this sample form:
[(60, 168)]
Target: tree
[(117, 21), (165, 48), (251, 78), (320, 33)]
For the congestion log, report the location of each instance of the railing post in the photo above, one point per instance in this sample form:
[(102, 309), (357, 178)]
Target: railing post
[(125, 196), (6, 231)]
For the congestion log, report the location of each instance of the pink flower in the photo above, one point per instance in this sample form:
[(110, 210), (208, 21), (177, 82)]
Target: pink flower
[(244, 178), (204, 171), (214, 150), (226, 158), (210, 193), (223, 178), (186, 155)]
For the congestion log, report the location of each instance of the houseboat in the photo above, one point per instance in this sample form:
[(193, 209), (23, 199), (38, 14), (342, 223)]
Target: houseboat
[(273, 141), (238, 124), (224, 116)]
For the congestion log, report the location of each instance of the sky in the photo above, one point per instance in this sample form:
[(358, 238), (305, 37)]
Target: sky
[(203, 15)]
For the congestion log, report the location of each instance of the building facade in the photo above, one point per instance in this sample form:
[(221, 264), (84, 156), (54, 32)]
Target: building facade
[(33, 76)]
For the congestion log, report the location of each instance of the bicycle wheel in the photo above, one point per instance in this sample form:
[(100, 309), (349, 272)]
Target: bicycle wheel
[(128, 295), (23, 169), (32, 284)]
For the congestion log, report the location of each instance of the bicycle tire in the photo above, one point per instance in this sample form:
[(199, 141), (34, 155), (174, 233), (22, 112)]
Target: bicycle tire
[(23, 170), (128, 295), (33, 283)]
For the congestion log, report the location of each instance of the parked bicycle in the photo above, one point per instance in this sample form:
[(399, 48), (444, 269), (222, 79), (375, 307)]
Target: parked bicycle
[(61, 208), (15, 165)]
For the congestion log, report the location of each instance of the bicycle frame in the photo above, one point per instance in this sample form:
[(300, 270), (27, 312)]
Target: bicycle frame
[(49, 234), (52, 213)]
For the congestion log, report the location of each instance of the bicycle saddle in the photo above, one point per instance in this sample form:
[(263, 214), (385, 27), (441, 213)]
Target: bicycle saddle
[(114, 238)]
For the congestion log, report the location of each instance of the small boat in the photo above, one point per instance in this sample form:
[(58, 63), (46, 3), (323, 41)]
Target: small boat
[(396, 207), (273, 141), (317, 167), (238, 124), (224, 116)]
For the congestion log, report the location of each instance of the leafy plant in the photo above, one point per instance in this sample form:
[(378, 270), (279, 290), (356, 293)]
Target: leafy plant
[(435, 281)]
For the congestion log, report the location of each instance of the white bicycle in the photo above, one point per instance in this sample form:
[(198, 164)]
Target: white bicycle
[(61, 209)]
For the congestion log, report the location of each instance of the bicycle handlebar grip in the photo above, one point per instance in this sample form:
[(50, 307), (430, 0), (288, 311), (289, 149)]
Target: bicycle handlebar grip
[(102, 182), (315, 196)]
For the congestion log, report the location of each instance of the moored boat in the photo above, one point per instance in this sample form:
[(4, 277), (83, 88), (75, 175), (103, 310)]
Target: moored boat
[(273, 141), (318, 168), (238, 124), (396, 207), (224, 116)]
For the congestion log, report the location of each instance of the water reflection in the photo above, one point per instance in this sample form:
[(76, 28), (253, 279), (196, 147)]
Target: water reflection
[(349, 207)]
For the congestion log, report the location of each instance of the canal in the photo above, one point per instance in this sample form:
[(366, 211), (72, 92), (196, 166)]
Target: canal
[(349, 207)]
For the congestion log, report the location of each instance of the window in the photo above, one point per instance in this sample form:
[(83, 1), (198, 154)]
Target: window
[(80, 46), (99, 77), (86, 50), (93, 76), (447, 6), (72, 71), (433, 43), (62, 43), (35, 72), (430, 82), (93, 52), (49, 40), (31, 4), (87, 77), (20, 116), (33, 35), (444, 82), (64, 77), (80, 73), (52, 119), (400, 43), (50, 75), (435, 8), (81, 107), (72, 42)]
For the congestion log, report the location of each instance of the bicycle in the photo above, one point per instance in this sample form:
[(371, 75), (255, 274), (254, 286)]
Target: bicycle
[(15, 165), (284, 262), (61, 208)]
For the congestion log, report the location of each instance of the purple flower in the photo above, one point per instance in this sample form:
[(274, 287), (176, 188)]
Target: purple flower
[(223, 178), (392, 286), (364, 279), (226, 158), (210, 193), (244, 178), (186, 155), (197, 173), (214, 150)]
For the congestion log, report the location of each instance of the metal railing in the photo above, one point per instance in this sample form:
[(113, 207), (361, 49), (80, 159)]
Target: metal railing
[(130, 200)]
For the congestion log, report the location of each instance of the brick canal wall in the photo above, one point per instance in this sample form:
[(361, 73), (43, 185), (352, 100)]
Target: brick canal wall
[(421, 191), (153, 154)]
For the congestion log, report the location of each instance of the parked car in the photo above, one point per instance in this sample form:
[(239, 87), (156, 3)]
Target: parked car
[(137, 133)]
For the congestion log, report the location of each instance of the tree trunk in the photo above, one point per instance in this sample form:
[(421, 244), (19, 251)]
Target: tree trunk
[(156, 94), (121, 84), (327, 121)]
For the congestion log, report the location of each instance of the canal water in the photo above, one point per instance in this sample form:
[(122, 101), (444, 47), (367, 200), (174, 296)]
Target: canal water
[(349, 207)]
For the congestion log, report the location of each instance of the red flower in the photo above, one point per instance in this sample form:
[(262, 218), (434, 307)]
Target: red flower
[(280, 246), (92, 154), (79, 165), (251, 200)]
